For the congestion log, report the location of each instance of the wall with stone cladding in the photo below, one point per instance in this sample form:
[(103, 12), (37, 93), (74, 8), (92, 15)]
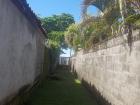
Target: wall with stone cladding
[(21, 50), (112, 69)]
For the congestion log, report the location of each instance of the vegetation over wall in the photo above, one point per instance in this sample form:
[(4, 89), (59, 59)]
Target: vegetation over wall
[(116, 17)]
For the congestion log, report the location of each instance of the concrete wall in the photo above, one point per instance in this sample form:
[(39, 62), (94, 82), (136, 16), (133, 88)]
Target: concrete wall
[(21, 50), (112, 69)]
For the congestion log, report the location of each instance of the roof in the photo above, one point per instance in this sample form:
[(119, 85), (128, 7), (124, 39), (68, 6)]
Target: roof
[(23, 6)]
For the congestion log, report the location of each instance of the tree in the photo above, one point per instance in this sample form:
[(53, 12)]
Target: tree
[(72, 36), (57, 22), (55, 27)]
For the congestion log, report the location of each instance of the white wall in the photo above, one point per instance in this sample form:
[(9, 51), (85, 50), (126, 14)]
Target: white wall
[(21, 50)]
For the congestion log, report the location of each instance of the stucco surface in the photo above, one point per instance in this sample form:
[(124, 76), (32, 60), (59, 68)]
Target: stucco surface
[(21, 50)]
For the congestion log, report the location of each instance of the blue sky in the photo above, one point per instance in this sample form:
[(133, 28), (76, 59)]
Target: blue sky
[(51, 7), (45, 8)]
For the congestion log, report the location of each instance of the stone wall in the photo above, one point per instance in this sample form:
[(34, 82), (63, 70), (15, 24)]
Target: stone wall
[(21, 50), (113, 69)]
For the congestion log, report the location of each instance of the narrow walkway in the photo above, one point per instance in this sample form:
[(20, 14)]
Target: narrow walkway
[(64, 90)]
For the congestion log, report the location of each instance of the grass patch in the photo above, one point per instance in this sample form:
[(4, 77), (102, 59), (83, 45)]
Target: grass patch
[(67, 91)]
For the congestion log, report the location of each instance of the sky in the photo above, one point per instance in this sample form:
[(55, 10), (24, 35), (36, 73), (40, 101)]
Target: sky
[(45, 8)]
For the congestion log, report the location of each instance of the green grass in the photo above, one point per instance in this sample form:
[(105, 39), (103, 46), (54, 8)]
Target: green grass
[(66, 91)]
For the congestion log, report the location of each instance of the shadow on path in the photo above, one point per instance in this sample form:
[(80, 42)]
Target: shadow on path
[(62, 90)]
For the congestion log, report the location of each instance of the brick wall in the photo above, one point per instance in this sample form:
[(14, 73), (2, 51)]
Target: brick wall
[(113, 68)]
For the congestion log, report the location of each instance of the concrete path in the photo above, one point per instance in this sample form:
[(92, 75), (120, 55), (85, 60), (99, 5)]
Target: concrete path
[(63, 89)]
